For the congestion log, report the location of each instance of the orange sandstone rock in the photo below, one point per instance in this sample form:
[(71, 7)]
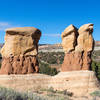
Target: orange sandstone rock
[(80, 57), (69, 37), (20, 51)]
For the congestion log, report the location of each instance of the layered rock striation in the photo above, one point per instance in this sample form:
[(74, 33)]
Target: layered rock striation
[(80, 83), (20, 51), (78, 53)]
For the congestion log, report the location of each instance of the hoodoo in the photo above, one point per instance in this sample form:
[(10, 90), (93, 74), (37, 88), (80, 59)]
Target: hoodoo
[(78, 45), (20, 51)]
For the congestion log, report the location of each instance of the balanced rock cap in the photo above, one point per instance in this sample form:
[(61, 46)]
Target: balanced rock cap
[(23, 31), (71, 28), (69, 38), (86, 27), (21, 41)]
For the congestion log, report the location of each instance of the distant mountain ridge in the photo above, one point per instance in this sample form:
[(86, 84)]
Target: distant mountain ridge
[(58, 47)]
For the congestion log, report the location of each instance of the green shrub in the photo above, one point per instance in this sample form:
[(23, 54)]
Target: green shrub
[(51, 92), (51, 89), (51, 57), (93, 65), (10, 94), (0, 64), (96, 68), (45, 69), (95, 93), (0, 60), (0, 54)]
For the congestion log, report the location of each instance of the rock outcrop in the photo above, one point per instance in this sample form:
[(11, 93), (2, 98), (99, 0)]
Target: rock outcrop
[(20, 51), (80, 57), (80, 83)]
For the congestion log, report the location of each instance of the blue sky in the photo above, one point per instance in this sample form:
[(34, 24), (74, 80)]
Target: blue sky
[(50, 16)]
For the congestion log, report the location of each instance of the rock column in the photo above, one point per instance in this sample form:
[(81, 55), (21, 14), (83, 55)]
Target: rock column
[(20, 51), (78, 49)]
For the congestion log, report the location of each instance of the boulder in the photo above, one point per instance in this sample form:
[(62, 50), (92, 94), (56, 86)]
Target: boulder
[(20, 51)]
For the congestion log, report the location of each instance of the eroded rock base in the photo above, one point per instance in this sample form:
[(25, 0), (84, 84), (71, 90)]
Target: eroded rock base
[(78, 82), (74, 61), (19, 65)]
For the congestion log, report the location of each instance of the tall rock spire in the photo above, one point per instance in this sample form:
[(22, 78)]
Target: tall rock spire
[(78, 46)]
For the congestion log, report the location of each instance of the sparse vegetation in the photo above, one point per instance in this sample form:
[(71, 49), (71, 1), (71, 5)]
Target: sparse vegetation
[(0, 65), (0, 54), (51, 57), (0, 60), (96, 95), (96, 68), (46, 59), (53, 93), (46, 69), (96, 56), (10, 94), (64, 92)]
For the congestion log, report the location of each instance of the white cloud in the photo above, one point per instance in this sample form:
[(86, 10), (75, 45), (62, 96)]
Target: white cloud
[(52, 35), (5, 25)]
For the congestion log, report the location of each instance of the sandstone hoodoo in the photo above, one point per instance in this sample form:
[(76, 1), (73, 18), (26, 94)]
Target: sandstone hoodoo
[(69, 37), (78, 52), (20, 51)]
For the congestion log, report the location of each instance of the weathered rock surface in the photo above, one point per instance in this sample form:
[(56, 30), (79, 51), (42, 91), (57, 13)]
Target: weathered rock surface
[(21, 41), (76, 61), (19, 65), (72, 61), (20, 51), (80, 57), (69, 38), (85, 40), (80, 83)]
